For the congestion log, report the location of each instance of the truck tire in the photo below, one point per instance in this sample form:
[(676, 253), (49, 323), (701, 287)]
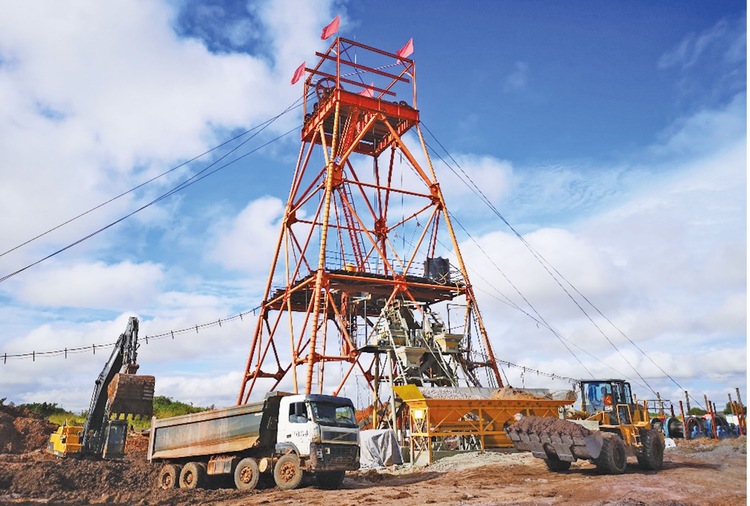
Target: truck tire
[(169, 476), (193, 475), (652, 451), (556, 465), (287, 473), (246, 474), (613, 459), (330, 480)]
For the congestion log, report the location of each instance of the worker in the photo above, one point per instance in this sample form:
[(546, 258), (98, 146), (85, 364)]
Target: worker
[(606, 396)]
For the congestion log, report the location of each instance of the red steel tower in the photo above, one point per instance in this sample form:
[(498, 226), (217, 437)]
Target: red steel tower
[(356, 277)]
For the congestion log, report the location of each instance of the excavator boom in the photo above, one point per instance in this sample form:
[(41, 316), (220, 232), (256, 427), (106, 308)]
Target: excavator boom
[(117, 391)]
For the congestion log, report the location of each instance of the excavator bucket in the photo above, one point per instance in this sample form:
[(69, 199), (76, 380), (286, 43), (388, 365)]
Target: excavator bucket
[(131, 394), (552, 438)]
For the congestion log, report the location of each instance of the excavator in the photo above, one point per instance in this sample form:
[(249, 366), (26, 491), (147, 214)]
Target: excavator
[(607, 429), (117, 391)]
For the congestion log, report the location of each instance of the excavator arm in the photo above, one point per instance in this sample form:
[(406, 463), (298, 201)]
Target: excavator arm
[(117, 391)]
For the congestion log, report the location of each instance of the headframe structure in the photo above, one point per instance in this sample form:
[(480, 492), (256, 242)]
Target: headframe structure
[(356, 265)]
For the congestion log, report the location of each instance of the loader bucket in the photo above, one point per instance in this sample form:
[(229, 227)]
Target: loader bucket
[(551, 437), (131, 394)]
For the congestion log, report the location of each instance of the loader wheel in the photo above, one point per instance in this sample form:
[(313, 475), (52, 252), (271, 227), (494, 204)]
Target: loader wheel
[(613, 459), (330, 480), (287, 473), (556, 465), (193, 475), (246, 474), (652, 452), (169, 476)]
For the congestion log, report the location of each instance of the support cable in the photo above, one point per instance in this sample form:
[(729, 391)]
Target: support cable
[(185, 184), (145, 339), (466, 179)]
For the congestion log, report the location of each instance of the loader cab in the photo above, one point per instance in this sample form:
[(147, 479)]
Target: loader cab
[(604, 395)]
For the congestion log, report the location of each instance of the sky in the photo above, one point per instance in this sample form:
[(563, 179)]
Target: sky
[(610, 135)]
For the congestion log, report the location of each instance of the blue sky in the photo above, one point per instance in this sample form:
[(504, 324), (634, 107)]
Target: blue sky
[(611, 134)]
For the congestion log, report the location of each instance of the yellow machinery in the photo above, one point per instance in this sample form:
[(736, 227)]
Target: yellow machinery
[(115, 393), (610, 427), (463, 418), (65, 441)]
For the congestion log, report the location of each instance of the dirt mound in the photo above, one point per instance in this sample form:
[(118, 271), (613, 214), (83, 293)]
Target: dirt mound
[(22, 431), (549, 425)]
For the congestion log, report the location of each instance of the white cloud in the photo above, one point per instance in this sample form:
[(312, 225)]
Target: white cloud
[(518, 79), (492, 176), (91, 285), (248, 242)]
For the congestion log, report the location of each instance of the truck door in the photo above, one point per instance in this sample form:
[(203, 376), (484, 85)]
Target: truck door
[(296, 426)]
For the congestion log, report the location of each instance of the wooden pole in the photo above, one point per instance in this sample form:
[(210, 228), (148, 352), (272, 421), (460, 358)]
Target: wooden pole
[(740, 418), (711, 413), (685, 432), (741, 413)]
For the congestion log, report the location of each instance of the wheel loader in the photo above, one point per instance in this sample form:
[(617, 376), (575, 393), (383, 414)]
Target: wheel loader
[(608, 428)]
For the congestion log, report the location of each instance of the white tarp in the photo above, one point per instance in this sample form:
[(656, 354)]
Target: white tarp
[(378, 448)]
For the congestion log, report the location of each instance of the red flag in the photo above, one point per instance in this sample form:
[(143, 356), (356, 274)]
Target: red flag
[(332, 28), (368, 92), (407, 50), (298, 73)]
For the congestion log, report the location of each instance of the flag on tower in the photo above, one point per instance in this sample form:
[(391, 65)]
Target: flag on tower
[(332, 28), (298, 73), (407, 50), (368, 91)]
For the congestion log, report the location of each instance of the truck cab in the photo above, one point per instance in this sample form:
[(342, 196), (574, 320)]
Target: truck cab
[(320, 429)]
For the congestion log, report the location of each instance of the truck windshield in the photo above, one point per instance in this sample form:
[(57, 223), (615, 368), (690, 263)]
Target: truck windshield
[(337, 415)]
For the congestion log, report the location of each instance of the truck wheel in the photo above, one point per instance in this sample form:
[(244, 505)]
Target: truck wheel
[(613, 459), (193, 475), (246, 474), (330, 480), (287, 473), (652, 452), (169, 476)]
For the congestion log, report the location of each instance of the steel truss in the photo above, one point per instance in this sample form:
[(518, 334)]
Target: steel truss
[(360, 233)]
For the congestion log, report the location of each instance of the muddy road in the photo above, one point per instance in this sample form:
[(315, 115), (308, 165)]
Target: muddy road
[(702, 472)]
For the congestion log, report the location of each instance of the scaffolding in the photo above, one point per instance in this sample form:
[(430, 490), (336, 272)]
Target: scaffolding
[(361, 262)]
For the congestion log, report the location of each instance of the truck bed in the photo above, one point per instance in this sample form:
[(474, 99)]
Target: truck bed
[(208, 433)]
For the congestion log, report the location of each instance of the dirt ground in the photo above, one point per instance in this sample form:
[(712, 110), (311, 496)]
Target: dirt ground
[(701, 472)]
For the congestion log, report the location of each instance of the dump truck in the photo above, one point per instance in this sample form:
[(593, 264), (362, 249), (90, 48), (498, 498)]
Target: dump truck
[(609, 427), (118, 392), (284, 436)]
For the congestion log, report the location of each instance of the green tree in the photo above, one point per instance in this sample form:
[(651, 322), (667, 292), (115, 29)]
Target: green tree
[(728, 409), (165, 407), (45, 409)]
